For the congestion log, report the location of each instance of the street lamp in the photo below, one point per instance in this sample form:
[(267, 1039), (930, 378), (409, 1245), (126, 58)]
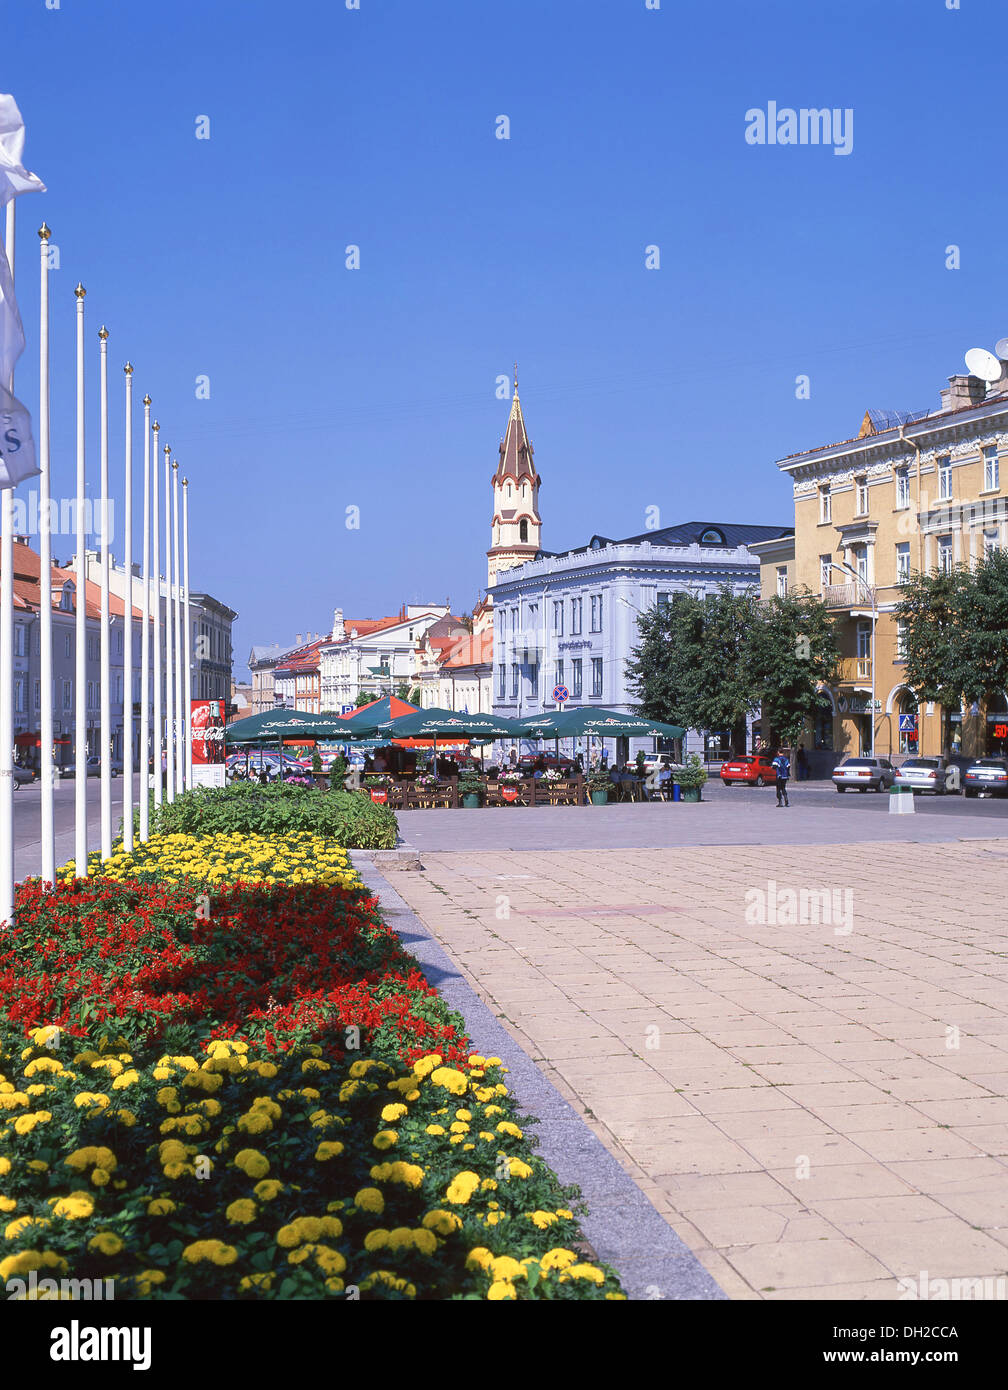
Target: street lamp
[(863, 582)]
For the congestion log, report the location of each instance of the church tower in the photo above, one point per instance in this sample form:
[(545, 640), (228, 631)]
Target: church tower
[(516, 527)]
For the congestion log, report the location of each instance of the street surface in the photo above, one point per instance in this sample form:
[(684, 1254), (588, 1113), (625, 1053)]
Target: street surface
[(28, 813)]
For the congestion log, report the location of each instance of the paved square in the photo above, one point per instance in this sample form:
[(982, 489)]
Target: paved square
[(818, 1109)]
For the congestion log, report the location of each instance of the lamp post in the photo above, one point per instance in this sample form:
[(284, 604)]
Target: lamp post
[(863, 583), (46, 769)]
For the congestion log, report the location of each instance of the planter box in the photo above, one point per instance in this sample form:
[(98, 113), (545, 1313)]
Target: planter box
[(689, 794), (600, 797), (470, 800)]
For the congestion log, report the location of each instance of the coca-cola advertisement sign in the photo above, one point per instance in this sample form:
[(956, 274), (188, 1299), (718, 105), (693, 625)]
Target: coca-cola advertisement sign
[(207, 726)]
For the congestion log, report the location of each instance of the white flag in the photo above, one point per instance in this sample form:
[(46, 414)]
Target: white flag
[(17, 448)]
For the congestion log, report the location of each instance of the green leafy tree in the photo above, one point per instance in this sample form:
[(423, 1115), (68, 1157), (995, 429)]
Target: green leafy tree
[(364, 697), (660, 668), (955, 631), (721, 680), (790, 649)]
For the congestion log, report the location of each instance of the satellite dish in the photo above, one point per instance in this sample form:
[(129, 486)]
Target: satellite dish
[(983, 364), (1001, 348)]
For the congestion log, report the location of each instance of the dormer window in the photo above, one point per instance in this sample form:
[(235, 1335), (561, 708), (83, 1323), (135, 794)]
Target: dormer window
[(712, 537), (523, 531)]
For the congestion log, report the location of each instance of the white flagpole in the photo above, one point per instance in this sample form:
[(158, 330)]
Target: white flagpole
[(127, 810), (169, 645), (156, 631), (46, 768), (145, 738), (179, 708), (188, 631), (7, 662), (104, 696), (80, 674)]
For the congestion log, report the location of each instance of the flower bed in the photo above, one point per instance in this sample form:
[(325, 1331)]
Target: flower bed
[(251, 1091), (281, 808), (228, 858)]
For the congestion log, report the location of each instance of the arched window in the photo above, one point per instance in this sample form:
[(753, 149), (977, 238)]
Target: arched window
[(712, 536), (523, 531), (509, 492)]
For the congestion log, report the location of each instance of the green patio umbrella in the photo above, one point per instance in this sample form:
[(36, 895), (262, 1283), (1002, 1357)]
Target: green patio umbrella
[(437, 723), (274, 724), (374, 719)]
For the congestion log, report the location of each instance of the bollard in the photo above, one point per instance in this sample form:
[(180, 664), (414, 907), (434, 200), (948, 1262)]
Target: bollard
[(676, 792), (901, 801)]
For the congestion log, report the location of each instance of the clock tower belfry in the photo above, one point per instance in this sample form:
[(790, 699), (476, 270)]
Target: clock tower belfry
[(516, 527)]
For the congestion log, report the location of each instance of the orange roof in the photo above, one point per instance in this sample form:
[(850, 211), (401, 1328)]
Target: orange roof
[(27, 586)]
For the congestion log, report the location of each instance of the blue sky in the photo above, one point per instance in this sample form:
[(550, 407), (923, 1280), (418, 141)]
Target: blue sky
[(375, 388)]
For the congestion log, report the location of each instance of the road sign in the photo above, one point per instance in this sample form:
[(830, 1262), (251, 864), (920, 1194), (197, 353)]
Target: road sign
[(560, 694), (907, 723)]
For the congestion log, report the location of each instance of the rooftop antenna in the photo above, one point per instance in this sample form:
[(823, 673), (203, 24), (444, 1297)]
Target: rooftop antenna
[(981, 363)]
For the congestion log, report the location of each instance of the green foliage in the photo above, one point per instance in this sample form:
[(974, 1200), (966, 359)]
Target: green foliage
[(708, 663), (316, 763), (352, 820), (364, 697), (692, 775), (956, 631)]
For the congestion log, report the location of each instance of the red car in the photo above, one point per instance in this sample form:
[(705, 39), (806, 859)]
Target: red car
[(755, 769)]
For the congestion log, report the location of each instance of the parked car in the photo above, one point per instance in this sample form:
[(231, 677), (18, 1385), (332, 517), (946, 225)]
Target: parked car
[(528, 763), (986, 777), (752, 769), (926, 775), (93, 768), (864, 773), (22, 776), (660, 762)]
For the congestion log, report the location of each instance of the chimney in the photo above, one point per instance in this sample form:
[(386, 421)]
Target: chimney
[(297, 640), (963, 391), (337, 625)]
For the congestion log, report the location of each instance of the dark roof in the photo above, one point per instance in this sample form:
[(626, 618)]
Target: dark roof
[(515, 450), (687, 533)]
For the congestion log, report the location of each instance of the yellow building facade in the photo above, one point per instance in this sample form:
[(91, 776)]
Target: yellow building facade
[(903, 496)]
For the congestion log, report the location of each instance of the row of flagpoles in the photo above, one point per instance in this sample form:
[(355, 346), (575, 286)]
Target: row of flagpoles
[(170, 727)]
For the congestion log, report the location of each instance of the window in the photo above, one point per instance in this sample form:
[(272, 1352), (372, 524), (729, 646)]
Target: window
[(501, 681), (944, 479), (945, 554), (523, 531), (575, 626), (902, 488), (119, 642), (596, 613), (712, 537), (596, 662), (991, 544), (576, 677), (860, 554), (69, 644), (663, 598), (863, 641), (514, 621), (825, 505), (782, 581), (533, 680), (558, 615), (903, 562), (991, 470), (862, 496), (38, 694), (825, 570), (19, 695), (559, 673), (901, 635), (19, 640), (514, 682), (67, 695)]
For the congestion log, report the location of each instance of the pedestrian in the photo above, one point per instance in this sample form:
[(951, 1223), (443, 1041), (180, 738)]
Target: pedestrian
[(801, 763), (782, 767)]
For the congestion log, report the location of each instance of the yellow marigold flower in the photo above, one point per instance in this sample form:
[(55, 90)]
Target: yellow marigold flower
[(567, 1215), (518, 1168), (506, 1127), (147, 1279), (213, 1250), (14, 1228), (241, 1212), (255, 1122), (128, 1078), (126, 1117), (77, 1206), (99, 1177), (256, 1281), (313, 1064), (541, 1219), (492, 1110), (171, 1151), (376, 1239), (425, 1241), (43, 1064), (26, 1260), (91, 1098), (329, 1148), (110, 1064), (585, 1271), (408, 1173), (288, 1236), (46, 1035), (450, 1079), (462, 1187), (267, 1070), (5, 1166), (390, 1113), (310, 1093), (479, 1258), (489, 1185), (435, 1129), (558, 1258), (500, 1291), (268, 1189), (105, 1243), (505, 1267), (36, 1165), (160, 1206), (267, 1106), (252, 1162), (370, 1199), (24, 1124), (168, 1096), (385, 1138)]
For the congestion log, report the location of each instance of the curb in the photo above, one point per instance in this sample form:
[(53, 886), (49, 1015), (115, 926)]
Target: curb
[(621, 1225)]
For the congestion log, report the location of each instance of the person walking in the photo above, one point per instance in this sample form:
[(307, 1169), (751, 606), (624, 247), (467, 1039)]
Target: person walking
[(782, 767)]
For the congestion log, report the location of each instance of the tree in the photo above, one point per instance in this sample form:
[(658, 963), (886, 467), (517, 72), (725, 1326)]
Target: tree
[(721, 679), (660, 667), (790, 650), (364, 697), (402, 691), (955, 631)]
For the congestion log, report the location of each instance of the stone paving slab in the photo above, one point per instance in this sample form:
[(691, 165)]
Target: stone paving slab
[(817, 1108)]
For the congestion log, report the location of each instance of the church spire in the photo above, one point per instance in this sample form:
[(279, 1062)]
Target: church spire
[(516, 453), (516, 527)]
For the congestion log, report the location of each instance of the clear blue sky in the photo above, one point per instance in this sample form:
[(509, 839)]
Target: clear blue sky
[(376, 388)]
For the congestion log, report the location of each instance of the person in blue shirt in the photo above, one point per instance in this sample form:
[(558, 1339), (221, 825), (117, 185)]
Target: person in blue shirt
[(782, 767)]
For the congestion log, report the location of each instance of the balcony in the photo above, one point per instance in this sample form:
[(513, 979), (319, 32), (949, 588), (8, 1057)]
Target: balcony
[(850, 595), (854, 670)]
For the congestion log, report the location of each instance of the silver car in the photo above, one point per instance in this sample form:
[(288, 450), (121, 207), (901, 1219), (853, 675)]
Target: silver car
[(986, 777), (862, 773), (926, 775)]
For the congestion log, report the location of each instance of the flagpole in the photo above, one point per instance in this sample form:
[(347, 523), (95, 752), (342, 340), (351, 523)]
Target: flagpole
[(46, 768), (145, 639), (127, 809), (7, 659), (155, 523), (104, 697), (169, 645), (179, 717), (187, 708), (80, 603)]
